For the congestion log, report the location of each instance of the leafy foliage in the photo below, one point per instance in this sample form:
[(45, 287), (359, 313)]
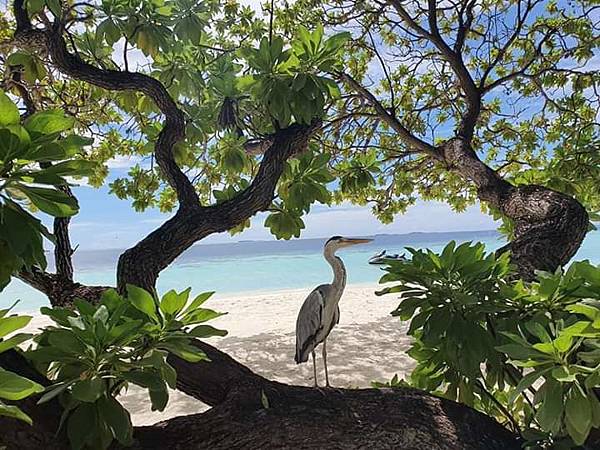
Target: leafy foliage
[(526, 353), (289, 80), (12, 386), (35, 158), (302, 184), (532, 62), (94, 352)]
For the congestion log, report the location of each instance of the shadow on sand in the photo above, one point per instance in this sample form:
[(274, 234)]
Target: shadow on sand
[(357, 354)]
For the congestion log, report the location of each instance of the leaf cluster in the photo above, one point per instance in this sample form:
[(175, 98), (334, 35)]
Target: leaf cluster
[(92, 354), (525, 353), (14, 387), (290, 82), (35, 158)]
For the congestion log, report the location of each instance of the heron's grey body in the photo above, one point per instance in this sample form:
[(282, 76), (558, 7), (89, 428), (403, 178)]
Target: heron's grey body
[(320, 311), (318, 319)]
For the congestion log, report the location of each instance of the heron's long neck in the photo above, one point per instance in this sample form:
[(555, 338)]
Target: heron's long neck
[(339, 271)]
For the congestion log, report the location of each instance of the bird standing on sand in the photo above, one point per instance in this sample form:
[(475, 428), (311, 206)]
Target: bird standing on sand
[(320, 311)]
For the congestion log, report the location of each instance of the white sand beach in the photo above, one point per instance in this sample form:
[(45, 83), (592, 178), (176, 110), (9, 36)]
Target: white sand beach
[(368, 344)]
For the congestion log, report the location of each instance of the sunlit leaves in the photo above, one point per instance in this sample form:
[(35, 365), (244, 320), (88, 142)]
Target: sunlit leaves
[(304, 182), (290, 81), (9, 113), (29, 181), (285, 224)]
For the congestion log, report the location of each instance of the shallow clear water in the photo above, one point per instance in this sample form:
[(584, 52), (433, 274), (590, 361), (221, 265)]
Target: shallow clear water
[(266, 266)]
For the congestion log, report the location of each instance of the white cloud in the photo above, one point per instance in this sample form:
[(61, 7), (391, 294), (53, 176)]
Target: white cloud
[(82, 182), (122, 162), (135, 57)]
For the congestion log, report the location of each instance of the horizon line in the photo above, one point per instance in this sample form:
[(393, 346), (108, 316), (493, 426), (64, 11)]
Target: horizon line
[(245, 241)]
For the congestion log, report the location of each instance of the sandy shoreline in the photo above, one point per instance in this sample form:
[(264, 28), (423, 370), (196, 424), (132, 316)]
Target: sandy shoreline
[(368, 344)]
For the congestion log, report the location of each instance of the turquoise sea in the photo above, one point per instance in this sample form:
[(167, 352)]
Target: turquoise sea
[(265, 265)]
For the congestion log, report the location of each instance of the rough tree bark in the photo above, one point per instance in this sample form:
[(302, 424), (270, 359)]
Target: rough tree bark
[(549, 225), (250, 411)]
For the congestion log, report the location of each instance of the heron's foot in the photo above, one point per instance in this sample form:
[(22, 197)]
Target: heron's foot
[(321, 390), (333, 388)]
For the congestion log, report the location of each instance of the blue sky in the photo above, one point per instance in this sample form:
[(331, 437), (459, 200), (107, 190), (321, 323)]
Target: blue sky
[(104, 221)]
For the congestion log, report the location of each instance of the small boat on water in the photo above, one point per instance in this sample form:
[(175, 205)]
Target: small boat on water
[(383, 258)]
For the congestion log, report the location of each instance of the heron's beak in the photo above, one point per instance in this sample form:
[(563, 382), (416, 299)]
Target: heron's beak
[(354, 241)]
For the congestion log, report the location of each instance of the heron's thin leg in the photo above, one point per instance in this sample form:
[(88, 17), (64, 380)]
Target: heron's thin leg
[(325, 363), (315, 368)]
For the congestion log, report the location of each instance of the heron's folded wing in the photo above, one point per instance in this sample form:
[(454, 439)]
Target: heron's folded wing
[(309, 323)]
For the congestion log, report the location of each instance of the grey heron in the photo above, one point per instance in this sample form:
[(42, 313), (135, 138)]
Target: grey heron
[(320, 311)]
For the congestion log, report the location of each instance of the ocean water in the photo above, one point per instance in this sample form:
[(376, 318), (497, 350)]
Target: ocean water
[(260, 266)]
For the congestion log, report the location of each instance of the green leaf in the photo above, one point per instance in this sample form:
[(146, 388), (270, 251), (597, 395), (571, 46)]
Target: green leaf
[(89, 390), (142, 301), (545, 347), (562, 342), (172, 302), (67, 168), (563, 375), (516, 351), (117, 418), (538, 331), (200, 315), (66, 341), (578, 415), (145, 378), (204, 331), (550, 412), (51, 201), (12, 323), (184, 351), (81, 422), (13, 341), (10, 146), (589, 311), (54, 391), (15, 387), (55, 7), (525, 383), (49, 122), (9, 113), (14, 412), (159, 398), (58, 315), (198, 301)]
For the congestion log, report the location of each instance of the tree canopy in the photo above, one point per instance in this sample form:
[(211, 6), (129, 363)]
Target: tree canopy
[(227, 113)]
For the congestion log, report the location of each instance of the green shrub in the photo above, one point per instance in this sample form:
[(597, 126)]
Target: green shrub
[(525, 353), (94, 352)]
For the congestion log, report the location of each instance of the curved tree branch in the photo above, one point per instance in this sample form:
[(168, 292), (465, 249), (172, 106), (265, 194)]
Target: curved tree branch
[(52, 42), (472, 93), (141, 264), (393, 122)]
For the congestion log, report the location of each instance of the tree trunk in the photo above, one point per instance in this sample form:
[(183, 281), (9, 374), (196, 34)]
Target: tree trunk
[(250, 411), (275, 416), (549, 226)]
